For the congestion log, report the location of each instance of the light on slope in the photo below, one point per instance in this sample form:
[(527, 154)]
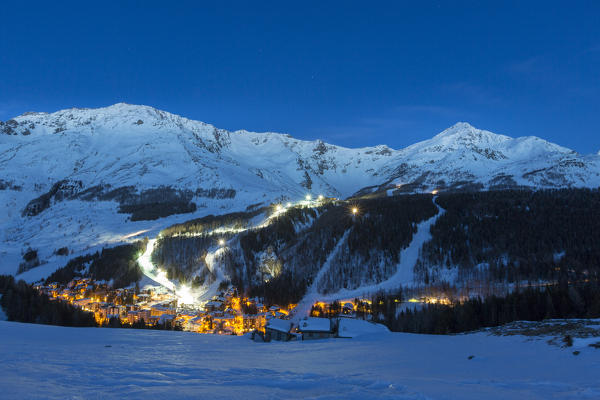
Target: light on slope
[(184, 295)]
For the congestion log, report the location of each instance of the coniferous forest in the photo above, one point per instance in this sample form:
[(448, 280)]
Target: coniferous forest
[(116, 264), (22, 303), (530, 304), (515, 235)]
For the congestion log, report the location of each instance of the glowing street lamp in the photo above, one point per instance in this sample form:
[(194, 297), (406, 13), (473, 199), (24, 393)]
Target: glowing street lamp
[(320, 198), (288, 204), (308, 197), (278, 207), (221, 242), (354, 210), (434, 192)]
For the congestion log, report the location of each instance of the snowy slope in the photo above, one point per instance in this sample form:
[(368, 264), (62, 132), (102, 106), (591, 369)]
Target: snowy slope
[(126, 146), (65, 175), (463, 155), (55, 363)]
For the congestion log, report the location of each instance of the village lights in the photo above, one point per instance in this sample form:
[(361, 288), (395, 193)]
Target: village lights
[(288, 204), (321, 197), (308, 197), (278, 207)]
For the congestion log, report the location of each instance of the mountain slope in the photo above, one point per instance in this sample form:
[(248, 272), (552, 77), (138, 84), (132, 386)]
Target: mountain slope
[(463, 155), (87, 178)]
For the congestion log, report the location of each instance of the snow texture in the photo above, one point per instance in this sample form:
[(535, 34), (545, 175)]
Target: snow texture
[(50, 362)]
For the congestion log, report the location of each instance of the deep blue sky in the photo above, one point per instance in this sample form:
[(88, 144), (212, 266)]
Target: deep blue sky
[(352, 73)]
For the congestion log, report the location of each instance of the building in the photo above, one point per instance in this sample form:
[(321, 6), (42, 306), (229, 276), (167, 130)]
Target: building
[(316, 328), (278, 329)]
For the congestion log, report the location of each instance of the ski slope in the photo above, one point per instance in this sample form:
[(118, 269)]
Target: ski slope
[(48, 362), (403, 277)]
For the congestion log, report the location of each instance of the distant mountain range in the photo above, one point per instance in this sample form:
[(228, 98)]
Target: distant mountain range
[(87, 178)]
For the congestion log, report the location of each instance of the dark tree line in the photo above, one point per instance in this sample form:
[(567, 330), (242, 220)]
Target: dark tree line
[(211, 222), (23, 303), (520, 234), (283, 289), (116, 263), (530, 304)]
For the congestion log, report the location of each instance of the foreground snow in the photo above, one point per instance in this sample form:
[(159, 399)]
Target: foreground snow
[(54, 362)]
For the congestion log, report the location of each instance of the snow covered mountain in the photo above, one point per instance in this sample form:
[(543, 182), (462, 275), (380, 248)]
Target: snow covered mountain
[(87, 178), (464, 156)]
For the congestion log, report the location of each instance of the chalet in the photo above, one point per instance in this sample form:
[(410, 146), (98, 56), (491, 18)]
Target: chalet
[(316, 328), (278, 329)]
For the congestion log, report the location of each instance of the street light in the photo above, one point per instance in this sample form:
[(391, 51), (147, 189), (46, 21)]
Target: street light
[(221, 242), (308, 197), (320, 198), (354, 210)]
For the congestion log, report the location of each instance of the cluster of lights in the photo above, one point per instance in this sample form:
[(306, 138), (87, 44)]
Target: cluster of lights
[(308, 197), (184, 295)]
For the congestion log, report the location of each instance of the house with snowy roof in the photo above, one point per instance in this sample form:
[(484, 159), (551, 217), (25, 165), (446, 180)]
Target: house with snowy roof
[(316, 328), (278, 329)]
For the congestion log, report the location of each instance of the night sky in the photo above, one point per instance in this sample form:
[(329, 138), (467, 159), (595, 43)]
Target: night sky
[(351, 73)]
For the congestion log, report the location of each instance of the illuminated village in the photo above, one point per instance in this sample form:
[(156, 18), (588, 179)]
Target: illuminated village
[(226, 314)]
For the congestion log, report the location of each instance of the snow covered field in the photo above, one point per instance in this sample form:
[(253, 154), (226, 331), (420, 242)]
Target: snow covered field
[(79, 363)]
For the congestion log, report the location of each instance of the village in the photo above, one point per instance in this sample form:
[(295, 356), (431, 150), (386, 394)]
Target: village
[(227, 313)]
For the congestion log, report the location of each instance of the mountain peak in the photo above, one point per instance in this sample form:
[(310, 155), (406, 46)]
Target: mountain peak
[(464, 134), (461, 126), (461, 129)]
